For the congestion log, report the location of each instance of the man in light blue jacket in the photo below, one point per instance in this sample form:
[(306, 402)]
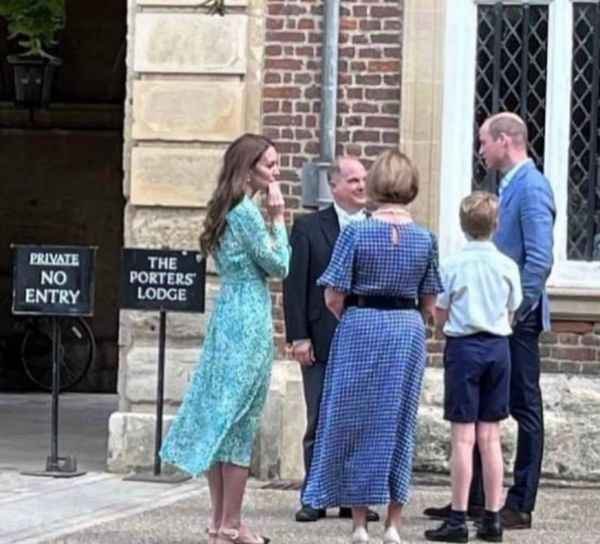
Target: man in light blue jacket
[(526, 219)]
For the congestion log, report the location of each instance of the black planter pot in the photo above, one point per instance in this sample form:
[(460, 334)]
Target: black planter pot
[(34, 78)]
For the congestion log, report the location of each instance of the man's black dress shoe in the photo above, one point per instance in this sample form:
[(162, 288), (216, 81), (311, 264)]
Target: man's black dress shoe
[(513, 519), (448, 533), (347, 513), (490, 532), (306, 513), (474, 512)]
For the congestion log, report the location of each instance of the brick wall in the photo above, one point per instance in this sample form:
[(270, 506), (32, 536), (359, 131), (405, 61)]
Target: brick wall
[(368, 122), (369, 88), (571, 347)]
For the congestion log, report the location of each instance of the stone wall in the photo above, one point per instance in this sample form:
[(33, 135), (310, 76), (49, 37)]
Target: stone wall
[(193, 86), (570, 381)]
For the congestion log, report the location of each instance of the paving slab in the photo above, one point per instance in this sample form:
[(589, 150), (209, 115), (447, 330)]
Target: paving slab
[(33, 509), (83, 429), (565, 515)]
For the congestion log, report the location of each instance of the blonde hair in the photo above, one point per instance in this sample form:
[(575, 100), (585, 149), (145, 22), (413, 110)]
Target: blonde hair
[(479, 214), (392, 179)]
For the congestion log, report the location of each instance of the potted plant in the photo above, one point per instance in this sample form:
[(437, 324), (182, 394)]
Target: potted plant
[(34, 24)]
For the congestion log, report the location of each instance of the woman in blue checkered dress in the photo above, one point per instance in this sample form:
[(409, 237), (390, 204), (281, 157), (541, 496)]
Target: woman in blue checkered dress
[(383, 276)]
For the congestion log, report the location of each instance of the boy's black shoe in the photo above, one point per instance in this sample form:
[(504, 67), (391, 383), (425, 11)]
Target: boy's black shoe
[(490, 531), (448, 533)]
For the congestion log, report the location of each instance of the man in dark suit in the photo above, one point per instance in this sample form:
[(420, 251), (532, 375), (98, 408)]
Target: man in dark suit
[(309, 324), (526, 219)]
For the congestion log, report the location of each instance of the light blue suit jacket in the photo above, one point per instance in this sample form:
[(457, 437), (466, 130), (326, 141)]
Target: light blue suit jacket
[(526, 219)]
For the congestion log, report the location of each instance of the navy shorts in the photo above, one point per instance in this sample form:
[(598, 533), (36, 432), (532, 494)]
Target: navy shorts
[(476, 378)]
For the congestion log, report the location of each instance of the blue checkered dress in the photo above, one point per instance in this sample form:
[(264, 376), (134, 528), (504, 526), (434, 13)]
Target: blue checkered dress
[(366, 432)]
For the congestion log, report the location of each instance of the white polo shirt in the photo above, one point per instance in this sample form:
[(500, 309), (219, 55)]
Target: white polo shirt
[(481, 285)]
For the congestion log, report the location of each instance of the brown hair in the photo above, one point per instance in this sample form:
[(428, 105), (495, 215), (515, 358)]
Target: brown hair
[(239, 160), (392, 179), (478, 214)]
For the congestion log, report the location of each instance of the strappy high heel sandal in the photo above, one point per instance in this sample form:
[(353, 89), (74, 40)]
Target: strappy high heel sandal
[(232, 536)]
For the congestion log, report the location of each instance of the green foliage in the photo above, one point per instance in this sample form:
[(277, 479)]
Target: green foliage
[(215, 7), (35, 22)]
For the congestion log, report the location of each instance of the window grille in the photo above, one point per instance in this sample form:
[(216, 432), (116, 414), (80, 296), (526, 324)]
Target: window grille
[(583, 216), (510, 74)]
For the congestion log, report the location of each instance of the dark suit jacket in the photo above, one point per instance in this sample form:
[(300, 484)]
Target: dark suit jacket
[(306, 316)]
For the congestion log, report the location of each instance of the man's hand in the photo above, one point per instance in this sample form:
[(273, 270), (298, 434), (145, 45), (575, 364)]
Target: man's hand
[(303, 352)]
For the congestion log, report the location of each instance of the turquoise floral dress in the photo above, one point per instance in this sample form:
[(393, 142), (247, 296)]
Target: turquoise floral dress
[(220, 413)]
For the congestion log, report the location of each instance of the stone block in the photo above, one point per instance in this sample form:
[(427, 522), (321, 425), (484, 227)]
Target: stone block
[(571, 428), (190, 43), (142, 365), (164, 176), (294, 426), (166, 227), (278, 449), (267, 451), (433, 388), (131, 441), (582, 395), (572, 424), (211, 111)]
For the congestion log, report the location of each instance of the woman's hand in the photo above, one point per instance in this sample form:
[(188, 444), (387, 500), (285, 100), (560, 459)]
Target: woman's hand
[(275, 202)]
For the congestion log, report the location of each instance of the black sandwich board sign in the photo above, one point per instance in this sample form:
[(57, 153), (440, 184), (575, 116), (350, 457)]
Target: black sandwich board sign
[(53, 280), (162, 280)]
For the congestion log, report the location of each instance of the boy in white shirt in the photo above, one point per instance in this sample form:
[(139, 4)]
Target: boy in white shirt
[(482, 292)]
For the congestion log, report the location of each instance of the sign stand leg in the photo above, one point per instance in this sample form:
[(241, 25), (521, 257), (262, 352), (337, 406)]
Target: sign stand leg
[(57, 467), (157, 475)]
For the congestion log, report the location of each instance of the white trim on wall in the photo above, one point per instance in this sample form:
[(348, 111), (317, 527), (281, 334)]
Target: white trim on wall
[(457, 119)]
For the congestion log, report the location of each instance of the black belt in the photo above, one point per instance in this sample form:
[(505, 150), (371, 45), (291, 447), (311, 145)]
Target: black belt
[(381, 303)]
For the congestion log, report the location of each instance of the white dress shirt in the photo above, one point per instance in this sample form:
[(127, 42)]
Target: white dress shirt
[(345, 218), (481, 285)]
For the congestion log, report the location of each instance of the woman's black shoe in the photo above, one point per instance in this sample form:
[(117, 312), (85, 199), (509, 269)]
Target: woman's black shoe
[(448, 533), (490, 532), (306, 513)]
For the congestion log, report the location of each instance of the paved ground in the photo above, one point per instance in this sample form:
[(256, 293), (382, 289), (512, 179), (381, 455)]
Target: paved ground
[(25, 425), (101, 508)]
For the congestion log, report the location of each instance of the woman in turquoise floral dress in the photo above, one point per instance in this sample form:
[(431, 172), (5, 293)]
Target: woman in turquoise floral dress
[(216, 424)]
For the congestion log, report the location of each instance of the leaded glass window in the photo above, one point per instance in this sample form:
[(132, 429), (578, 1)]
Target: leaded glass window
[(583, 216), (510, 74)]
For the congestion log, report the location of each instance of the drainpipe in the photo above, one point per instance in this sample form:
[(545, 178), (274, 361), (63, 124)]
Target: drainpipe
[(329, 85)]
